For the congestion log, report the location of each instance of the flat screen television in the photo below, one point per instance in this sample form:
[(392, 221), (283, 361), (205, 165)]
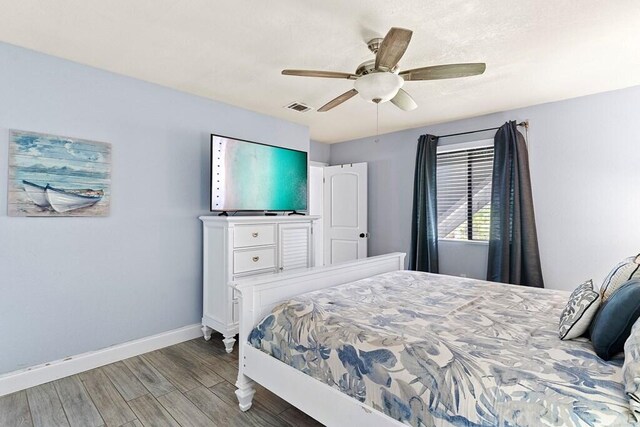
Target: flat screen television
[(249, 176)]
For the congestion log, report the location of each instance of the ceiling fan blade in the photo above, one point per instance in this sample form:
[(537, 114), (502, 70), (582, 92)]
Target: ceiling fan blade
[(337, 101), (314, 73), (404, 101), (450, 71), (392, 48)]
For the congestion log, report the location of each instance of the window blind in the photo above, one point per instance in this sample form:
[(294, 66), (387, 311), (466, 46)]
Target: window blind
[(464, 193)]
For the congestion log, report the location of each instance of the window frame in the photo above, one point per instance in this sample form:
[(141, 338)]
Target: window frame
[(463, 146)]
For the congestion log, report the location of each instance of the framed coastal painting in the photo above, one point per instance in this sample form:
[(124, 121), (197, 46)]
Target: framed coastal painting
[(58, 176)]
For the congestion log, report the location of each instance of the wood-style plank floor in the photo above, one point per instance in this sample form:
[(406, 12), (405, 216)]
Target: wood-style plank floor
[(188, 384)]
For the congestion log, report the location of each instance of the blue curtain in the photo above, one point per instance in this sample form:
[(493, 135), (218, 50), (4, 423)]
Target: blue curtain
[(513, 242), (424, 226)]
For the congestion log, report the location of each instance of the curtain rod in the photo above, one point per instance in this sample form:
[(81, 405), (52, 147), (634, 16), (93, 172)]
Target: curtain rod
[(524, 123)]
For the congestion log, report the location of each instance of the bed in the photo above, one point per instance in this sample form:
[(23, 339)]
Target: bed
[(366, 343)]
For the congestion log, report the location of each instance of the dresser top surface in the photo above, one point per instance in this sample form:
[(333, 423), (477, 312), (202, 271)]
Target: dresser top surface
[(253, 219)]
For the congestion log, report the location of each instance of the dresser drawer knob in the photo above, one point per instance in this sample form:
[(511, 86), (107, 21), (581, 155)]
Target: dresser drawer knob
[(254, 234), (255, 258)]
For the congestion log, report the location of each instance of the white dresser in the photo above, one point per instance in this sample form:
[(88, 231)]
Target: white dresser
[(241, 246)]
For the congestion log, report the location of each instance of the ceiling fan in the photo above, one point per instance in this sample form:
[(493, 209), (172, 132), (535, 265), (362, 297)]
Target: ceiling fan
[(379, 80)]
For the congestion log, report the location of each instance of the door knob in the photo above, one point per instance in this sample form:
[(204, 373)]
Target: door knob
[(363, 235)]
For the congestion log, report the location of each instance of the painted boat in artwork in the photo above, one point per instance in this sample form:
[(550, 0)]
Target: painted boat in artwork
[(37, 193), (68, 200), (61, 200)]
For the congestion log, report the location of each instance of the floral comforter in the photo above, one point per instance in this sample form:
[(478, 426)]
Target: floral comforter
[(435, 350)]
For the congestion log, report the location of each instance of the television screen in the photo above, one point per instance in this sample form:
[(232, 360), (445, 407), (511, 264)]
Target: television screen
[(248, 176)]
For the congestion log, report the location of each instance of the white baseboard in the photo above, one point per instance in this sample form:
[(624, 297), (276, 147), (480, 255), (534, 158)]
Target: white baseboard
[(40, 374)]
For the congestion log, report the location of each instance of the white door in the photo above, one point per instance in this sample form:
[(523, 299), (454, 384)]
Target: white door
[(345, 212), (316, 202)]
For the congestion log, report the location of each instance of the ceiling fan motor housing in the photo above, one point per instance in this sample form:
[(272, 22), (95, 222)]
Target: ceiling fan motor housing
[(368, 67)]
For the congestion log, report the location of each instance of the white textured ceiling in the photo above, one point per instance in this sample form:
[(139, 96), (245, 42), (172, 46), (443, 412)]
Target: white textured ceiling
[(536, 51)]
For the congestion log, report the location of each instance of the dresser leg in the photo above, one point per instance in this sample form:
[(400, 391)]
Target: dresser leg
[(206, 331), (229, 341)]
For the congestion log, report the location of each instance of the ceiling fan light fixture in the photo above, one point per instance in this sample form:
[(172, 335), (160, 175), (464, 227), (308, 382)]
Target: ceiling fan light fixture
[(380, 86)]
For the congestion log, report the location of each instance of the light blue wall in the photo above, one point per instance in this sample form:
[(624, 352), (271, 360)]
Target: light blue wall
[(585, 157), (319, 152), (72, 285)]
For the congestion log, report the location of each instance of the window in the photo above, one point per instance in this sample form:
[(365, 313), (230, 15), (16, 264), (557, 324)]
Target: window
[(464, 191)]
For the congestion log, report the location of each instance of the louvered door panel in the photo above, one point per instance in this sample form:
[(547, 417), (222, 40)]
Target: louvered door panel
[(295, 246)]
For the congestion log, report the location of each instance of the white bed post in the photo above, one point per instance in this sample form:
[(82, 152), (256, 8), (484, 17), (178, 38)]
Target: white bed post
[(245, 390)]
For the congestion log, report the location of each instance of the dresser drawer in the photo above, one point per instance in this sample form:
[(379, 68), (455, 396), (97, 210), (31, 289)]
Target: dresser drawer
[(254, 259), (254, 235)]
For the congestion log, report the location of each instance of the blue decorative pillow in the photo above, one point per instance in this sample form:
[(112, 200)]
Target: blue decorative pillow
[(626, 270), (612, 325), (580, 310)]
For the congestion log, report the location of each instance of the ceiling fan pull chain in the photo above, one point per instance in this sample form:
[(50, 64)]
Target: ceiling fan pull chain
[(377, 122)]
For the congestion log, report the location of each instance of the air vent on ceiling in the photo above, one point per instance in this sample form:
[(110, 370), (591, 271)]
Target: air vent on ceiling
[(298, 106)]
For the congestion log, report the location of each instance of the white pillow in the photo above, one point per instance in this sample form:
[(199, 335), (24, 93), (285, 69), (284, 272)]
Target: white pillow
[(580, 310), (626, 270)]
